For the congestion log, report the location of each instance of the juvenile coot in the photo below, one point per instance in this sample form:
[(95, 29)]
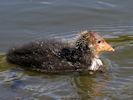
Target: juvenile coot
[(56, 56)]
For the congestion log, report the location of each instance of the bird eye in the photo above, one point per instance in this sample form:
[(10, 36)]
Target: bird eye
[(98, 41)]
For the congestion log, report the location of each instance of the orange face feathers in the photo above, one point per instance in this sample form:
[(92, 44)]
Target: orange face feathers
[(98, 43)]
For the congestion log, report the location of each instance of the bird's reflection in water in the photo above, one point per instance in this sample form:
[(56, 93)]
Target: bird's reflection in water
[(54, 87), (90, 86)]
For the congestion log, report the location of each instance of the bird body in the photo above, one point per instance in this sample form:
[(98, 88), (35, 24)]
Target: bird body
[(57, 56)]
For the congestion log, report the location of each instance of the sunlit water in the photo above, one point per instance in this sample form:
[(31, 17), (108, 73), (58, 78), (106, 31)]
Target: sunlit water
[(22, 21)]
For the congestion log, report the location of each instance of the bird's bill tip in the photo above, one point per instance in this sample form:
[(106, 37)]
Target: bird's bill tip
[(109, 48)]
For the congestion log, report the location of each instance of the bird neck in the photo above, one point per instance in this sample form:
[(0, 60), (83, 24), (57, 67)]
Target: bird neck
[(82, 45), (96, 63)]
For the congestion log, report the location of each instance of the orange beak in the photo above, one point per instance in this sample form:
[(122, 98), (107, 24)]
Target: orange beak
[(107, 47)]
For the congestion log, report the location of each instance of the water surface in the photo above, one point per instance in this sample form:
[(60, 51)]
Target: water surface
[(22, 21)]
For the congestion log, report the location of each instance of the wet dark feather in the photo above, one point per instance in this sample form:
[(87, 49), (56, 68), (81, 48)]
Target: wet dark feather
[(51, 56)]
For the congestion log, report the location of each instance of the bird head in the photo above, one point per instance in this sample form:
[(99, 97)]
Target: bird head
[(95, 42)]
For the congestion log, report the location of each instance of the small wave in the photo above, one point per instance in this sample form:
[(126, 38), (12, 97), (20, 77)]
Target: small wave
[(106, 4), (41, 2), (46, 3)]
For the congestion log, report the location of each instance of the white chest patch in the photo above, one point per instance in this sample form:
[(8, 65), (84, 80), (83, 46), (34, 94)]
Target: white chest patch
[(96, 63)]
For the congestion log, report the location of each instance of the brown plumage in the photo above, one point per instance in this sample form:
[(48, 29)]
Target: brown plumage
[(57, 56)]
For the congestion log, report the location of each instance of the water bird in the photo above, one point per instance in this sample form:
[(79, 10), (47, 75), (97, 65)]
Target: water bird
[(51, 55)]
